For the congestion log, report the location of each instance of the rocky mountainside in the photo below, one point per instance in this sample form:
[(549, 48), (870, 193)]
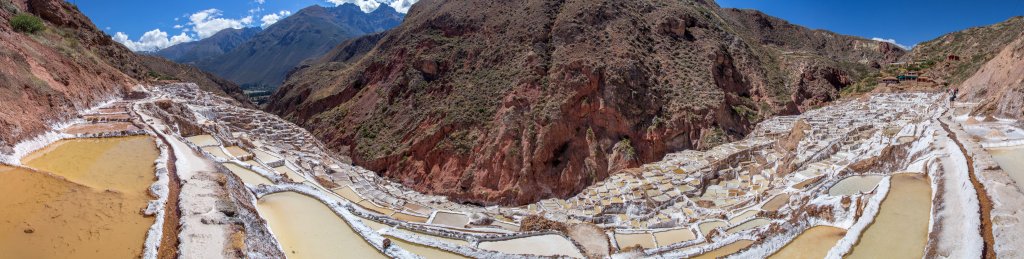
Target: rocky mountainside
[(999, 84), (511, 102), (70, 65), (266, 58), (973, 47), (220, 43), (989, 65)]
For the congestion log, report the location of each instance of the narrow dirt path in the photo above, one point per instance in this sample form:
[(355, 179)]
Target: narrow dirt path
[(984, 200)]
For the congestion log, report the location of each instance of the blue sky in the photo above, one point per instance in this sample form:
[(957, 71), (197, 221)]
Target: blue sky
[(907, 22), (153, 25)]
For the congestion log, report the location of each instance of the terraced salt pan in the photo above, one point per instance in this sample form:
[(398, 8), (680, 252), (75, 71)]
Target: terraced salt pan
[(743, 216), (291, 174), (751, 224), (306, 228), (542, 245), (776, 202), (726, 250), (120, 164), (1010, 160), (450, 219), (96, 128), (248, 176), (239, 153), (86, 204), (424, 251), (203, 140), (217, 152), (855, 185), (645, 240), (66, 219), (666, 238), (813, 243), (707, 226), (901, 228)]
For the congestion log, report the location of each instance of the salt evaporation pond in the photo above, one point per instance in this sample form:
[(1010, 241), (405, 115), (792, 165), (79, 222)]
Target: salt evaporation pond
[(726, 250), (217, 152), (424, 251), (855, 185), (203, 140), (674, 236), (450, 219), (901, 228), (814, 243), (707, 226), (1010, 160), (542, 245), (750, 224), (121, 164), (776, 202), (645, 240), (247, 176), (306, 228), (85, 201)]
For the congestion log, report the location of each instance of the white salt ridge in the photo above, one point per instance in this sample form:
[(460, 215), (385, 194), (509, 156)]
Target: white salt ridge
[(854, 231), (157, 207), (23, 148)]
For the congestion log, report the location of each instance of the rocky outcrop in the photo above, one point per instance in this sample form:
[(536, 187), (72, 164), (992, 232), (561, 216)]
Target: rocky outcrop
[(525, 100), (999, 84)]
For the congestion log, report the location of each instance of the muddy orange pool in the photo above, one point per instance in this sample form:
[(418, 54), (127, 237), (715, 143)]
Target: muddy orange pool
[(84, 200)]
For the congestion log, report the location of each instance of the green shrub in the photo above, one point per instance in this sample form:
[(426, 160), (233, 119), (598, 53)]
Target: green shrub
[(27, 23)]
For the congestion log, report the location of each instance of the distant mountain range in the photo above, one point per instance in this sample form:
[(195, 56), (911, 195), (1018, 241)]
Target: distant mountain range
[(260, 59), (214, 46)]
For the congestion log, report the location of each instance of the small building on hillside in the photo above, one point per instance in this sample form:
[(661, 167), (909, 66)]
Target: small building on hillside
[(952, 57), (889, 80), (924, 79), (911, 75)]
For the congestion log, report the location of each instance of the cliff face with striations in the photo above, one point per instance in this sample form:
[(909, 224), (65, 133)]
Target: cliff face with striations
[(517, 101), (70, 65)]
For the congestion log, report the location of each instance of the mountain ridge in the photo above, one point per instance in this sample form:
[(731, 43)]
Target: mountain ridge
[(265, 59), (511, 103)]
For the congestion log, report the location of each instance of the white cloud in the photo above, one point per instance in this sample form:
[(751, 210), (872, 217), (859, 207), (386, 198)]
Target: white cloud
[(401, 6), (208, 22), (273, 18), (893, 41), (151, 41)]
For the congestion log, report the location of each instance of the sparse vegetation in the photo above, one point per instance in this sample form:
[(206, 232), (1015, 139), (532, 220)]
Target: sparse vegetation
[(27, 23)]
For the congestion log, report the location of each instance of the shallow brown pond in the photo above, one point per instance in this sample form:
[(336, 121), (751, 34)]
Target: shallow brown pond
[(85, 202)]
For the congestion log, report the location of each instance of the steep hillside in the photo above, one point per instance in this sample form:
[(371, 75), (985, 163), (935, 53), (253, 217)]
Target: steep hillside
[(266, 58), (517, 101), (222, 42), (69, 65), (999, 84), (974, 47)]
